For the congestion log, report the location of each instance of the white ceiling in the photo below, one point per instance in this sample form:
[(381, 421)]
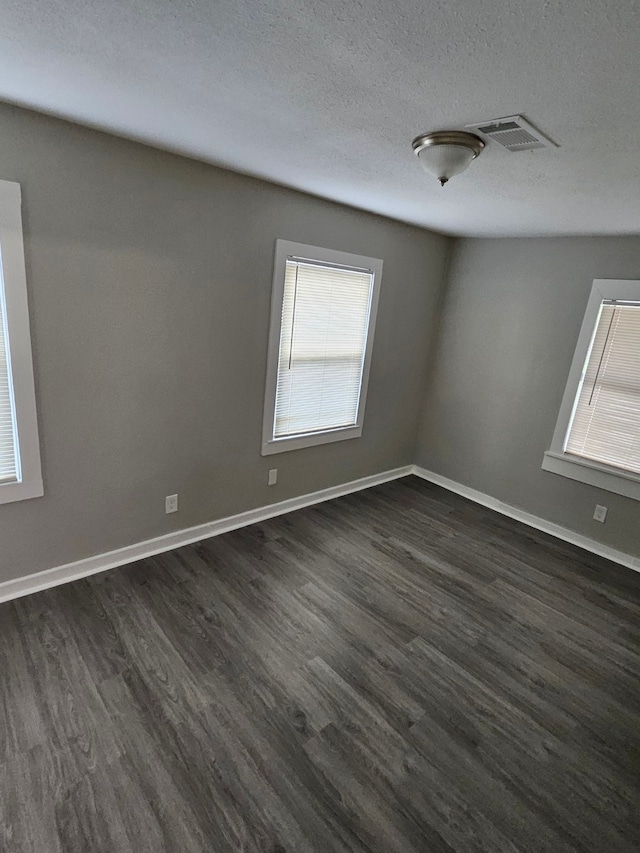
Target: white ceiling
[(326, 96)]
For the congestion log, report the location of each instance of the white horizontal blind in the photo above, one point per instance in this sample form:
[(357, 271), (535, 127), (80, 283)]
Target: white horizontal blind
[(7, 427), (606, 420), (323, 338)]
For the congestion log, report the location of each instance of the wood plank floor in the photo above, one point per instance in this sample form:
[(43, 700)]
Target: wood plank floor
[(396, 670)]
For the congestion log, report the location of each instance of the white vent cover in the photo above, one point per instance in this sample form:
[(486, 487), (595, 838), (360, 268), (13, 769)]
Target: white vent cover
[(513, 133)]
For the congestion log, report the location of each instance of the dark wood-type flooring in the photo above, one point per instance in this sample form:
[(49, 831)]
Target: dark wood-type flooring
[(396, 670)]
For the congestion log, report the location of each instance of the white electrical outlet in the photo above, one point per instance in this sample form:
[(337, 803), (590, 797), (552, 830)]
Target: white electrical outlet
[(600, 513), (273, 477), (171, 504)]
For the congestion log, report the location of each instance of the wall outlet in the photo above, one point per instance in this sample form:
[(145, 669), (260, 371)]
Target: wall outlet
[(600, 513), (273, 477), (171, 504)]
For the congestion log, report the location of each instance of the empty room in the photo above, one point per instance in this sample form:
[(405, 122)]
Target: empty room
[(319, 426)]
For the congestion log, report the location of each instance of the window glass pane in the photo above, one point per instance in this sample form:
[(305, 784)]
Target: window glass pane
[(606, 421), (325, 318)]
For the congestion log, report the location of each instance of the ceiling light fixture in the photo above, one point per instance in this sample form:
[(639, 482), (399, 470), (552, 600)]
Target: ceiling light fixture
[(446, 153)]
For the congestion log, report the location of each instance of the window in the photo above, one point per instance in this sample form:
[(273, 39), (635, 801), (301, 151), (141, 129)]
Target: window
[(323, 313), (20, 475), (597, 438)]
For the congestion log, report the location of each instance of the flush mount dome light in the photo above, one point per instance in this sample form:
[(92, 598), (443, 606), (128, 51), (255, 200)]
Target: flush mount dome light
[(446, 153)]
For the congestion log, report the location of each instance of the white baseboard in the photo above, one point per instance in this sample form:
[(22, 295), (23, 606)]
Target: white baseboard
[(120, 557), (112, 559), (529, 519)]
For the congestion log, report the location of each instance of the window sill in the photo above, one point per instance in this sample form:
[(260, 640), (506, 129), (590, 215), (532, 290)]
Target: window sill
[(10, 492), (593, 473), (281, 445)]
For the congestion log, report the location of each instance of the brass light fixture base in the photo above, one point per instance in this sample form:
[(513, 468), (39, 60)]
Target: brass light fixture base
[(449, 137)]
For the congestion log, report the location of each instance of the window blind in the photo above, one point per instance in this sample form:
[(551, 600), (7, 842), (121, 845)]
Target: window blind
[(8, 471), (323, 338), (606, 420)]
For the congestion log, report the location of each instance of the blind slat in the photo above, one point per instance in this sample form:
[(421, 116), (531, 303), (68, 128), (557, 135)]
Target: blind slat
[(8, 466), (606, 420), (325, 319)]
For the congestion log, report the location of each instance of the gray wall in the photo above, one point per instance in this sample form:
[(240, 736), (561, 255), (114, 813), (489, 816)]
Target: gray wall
[(512, 314), (149, 282)]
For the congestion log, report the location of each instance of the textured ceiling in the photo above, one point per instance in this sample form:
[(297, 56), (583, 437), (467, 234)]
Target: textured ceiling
[(326, 95)]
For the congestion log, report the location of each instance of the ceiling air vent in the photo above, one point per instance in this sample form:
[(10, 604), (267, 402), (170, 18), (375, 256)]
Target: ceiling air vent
[(513, 133)]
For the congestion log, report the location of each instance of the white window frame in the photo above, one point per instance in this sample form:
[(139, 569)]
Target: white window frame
[(13, 292), (568, 465), (284, 250)]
